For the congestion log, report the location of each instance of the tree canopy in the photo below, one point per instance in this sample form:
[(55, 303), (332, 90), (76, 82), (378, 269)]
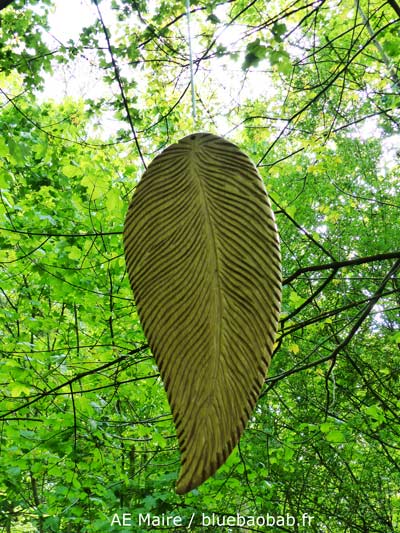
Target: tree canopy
[(310, 91)]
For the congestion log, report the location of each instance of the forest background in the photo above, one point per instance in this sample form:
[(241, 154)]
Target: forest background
[(310, 91)]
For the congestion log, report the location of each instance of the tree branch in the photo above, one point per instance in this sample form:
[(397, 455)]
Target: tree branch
[(68, 383), (363, 315), (395, 6), (303, 230), (39, 234), (119, 81), (341, 264), (4, 3)]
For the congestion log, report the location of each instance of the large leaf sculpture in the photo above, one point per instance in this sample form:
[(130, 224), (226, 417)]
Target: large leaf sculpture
[(203, 259)]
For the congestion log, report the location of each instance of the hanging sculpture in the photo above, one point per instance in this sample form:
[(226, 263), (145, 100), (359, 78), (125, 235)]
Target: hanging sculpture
[(203, 259)]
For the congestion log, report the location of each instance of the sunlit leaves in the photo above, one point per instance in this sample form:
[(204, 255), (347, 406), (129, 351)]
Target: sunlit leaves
[(279, 29), (255, 52), (23, 45)]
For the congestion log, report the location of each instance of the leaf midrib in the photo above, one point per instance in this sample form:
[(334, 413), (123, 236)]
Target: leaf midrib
[(213, 265)]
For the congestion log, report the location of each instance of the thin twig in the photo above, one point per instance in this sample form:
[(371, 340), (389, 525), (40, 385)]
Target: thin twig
[(120, 85), (78, 377)]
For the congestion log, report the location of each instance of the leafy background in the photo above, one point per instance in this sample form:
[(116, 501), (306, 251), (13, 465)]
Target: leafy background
[(310, 91)]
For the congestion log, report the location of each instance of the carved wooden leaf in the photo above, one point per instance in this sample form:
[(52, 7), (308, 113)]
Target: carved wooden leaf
[(203, 259)]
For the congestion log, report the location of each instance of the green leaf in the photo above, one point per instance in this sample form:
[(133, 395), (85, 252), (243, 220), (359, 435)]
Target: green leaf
[(75, 253), (71, 171), (5, 179), (255, 52), (4, 150), (220, 50), (113, 201), (375, 412), (278, 30), (40, 148), (281, 59), (149, 502), (213, 18), (96, 184), (335, 436), (18, 389), (295, 299), (325, 427), (18, 151)]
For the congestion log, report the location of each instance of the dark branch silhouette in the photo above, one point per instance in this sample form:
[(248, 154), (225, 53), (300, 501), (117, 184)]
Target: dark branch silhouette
[(5, 3)]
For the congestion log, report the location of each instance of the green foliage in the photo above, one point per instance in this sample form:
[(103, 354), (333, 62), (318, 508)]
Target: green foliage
[(86, 430), (255, 52), (22, 47)]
